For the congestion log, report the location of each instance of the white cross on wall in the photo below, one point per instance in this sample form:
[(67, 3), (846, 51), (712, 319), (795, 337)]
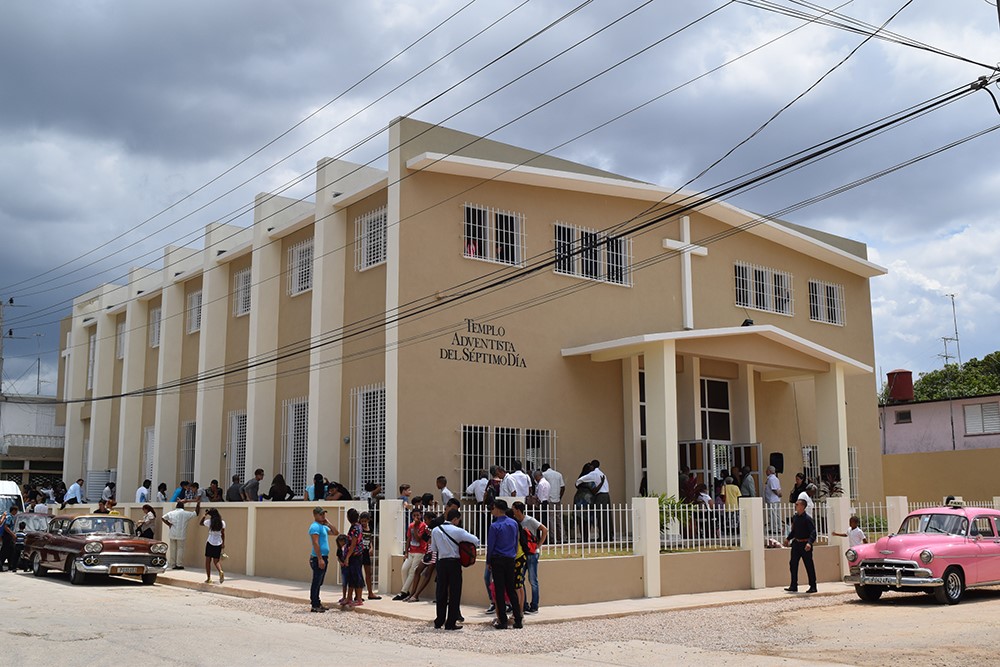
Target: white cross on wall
[(686, 248)]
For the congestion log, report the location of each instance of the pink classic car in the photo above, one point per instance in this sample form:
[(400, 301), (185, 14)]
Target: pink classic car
[(940, 551)]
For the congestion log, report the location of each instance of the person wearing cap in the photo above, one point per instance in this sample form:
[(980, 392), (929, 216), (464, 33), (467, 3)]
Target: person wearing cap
[(319, 535)]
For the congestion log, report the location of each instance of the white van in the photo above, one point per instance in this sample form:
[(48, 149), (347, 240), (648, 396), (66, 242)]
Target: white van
[(10, 494)]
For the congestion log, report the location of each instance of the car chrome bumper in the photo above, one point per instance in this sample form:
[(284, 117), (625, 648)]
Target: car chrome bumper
[(123, 568), (893, 581)]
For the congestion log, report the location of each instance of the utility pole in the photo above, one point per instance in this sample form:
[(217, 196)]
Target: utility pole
[(38, 361), (950, 388), (954, 321)]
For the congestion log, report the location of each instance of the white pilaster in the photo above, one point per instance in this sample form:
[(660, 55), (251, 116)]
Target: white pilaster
[(752, 538), (76, 367), (831, 421), (661, 419), (130, 436), (391, 306), (168, 403), (391, 540), (100, 411), (211, 433), (840, 517), (647, 543), (633, 426)]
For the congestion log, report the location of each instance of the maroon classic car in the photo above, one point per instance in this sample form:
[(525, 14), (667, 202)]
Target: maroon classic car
[(94, 544)]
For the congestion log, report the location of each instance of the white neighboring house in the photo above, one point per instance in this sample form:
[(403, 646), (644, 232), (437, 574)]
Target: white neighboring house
[(31, 445)]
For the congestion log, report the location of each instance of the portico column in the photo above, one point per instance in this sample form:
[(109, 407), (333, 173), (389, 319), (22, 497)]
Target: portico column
[(325, 369), (75, 389), (831, 421), (168, 403), (210, 433), (100, 411), (392, 426), (633, 430), (130, 436), (661, 419)]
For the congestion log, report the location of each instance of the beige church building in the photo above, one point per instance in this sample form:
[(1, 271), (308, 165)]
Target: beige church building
[(474, 304)]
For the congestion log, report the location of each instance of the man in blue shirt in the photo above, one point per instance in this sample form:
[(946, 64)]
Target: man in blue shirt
[(319, 534), (501, 550), (179, 492)]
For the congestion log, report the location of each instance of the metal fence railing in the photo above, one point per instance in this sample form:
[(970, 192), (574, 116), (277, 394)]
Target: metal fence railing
[(699, 528), (873, 519), (780, 515)]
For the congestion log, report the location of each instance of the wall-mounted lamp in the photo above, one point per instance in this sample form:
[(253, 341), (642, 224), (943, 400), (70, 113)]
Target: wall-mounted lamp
[(347, 439), (747, 323)]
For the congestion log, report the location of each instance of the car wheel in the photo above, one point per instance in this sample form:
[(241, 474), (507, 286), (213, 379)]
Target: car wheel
[(149, 579), (76, 577), (869, 593), (954, 587), (36, 565)]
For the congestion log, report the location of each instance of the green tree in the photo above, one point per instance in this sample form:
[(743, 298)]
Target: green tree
[(975, 378)]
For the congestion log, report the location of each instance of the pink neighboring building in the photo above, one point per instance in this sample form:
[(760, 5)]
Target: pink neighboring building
[(941, 425)]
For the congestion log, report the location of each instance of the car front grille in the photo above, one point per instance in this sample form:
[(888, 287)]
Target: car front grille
[(886, 567), (115, 558)]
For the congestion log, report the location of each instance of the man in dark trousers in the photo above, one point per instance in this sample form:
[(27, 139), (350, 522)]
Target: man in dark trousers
[(801, 537), (445, 540), (501, 551)]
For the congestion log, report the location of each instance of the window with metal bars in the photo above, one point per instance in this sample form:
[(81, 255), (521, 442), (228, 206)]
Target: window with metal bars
[(295, 442), (236, 445), (120, 341), (587, 253), (154, 326), (91, 353), (826, 302), (241, 292), (852, 471), (300, 267), (149, 453), (485, 446), (763, 288), (188, 431), (810, 463), (367, 436), (493, 235), (194, 312), (371, 237)]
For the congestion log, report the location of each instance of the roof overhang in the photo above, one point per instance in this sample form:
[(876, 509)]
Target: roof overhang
[(775, 353), (602, 185)]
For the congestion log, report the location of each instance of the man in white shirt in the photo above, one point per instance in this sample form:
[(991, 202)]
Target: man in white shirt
[(507, 488), (807, 497), (478, 488), (142, 493), (74, 494), (557, 487), (602, 498), (446, 494), (177, 520), (772, 496), (519, 480)]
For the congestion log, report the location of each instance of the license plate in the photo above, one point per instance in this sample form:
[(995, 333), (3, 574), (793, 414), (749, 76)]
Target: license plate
[(128, 569), (880, 581)]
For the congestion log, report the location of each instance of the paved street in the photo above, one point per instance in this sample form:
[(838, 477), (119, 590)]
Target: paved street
[(122, 622)]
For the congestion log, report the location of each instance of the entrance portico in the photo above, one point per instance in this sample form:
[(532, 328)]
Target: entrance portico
[(674, 365)]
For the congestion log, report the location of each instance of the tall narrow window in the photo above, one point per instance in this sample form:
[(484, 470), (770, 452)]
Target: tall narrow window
[(537, 448), (615, 252), (188, 430), (505, 446), (508, 250), (565, 260), (241, 292), (154, 326), (295, 439), (475, 452), (476, 232), (743, 285), (367, 436), (194, 312), (370, 239), (149, 455), (826, 302), (590, 256), (810, 463), (715, 422), (852, 471), (120, 341), (236, 445), (300, 267), (91, 353)]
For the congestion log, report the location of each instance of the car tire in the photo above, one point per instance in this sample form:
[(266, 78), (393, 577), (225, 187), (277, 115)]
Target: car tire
[(76, 577), (953, 589), (36, 565), (149, 579), (869, 593)]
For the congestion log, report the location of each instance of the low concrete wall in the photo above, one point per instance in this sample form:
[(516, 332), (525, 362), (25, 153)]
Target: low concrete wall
[(704, 572), (826, 559)]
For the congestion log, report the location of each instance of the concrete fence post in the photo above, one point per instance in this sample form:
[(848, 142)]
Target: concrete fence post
[(896, 509), (391, 538), (251, 563), (839, 517), (996, 502), (752, 538), (647, 543)]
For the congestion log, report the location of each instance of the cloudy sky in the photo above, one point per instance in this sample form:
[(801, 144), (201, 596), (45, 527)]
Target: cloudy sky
[(113, 112)]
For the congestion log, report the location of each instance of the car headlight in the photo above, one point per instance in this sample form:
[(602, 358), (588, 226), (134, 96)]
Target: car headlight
[(93, 547), (159, 548), (926, 556), (852, 555)]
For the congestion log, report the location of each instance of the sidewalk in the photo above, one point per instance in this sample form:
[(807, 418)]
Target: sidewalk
[(297, 592)]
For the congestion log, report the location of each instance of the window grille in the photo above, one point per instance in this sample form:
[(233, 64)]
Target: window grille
[(763, 288), (587, 253), (370, 239), (241, 292), (91, 352), (236, 445), (715, 410), (982, 418), (493, 235), (194, 312), (154, 327), (120, 341), (810, 463), (300, 267), (903, 417), (852, 471), (86, 454), (485, 446), (149, 445), (295, 439), (367, 436), (826, 302), (187, 451)]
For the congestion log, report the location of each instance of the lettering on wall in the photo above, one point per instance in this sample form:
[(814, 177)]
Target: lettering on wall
[(483, 344)]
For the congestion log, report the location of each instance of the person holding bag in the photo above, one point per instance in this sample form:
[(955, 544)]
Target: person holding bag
[(445, 540)]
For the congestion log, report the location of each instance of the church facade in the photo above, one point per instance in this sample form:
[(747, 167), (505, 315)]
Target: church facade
[(474, 304)]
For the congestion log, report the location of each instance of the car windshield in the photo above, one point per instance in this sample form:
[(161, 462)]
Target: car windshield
[(34, 522), (115, 525), (948, 524)]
